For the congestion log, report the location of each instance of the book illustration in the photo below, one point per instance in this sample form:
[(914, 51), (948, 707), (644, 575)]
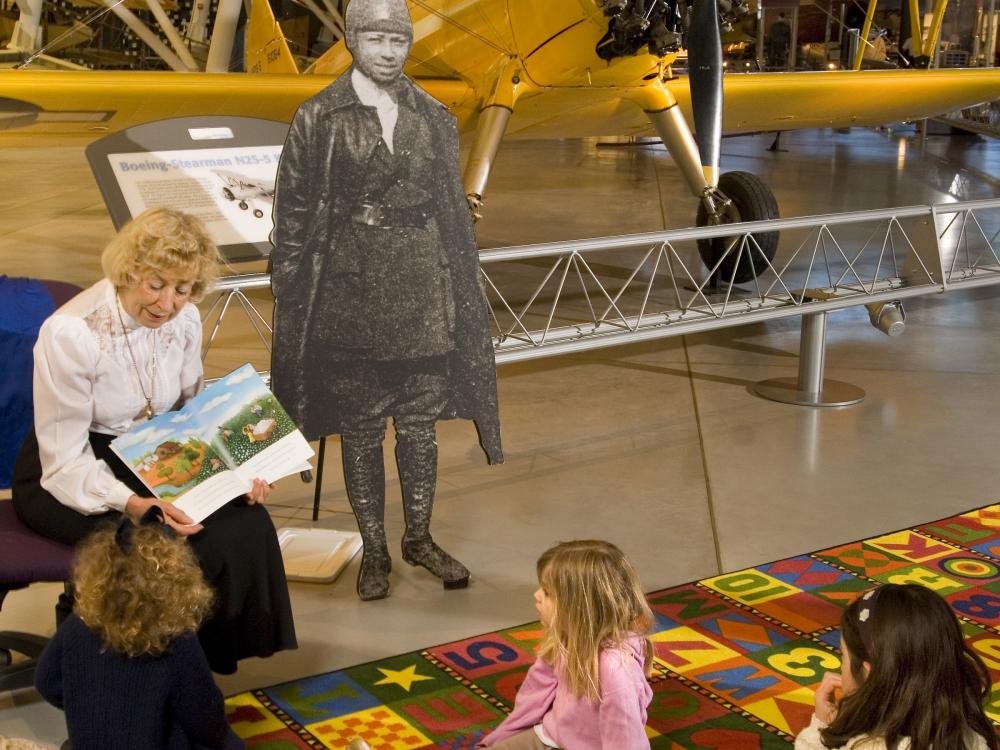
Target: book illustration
[(235, 425), (173, 463)]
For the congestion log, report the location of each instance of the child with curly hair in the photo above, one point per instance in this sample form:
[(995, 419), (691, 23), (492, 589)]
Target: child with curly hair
[(588, 688), (127, 667)]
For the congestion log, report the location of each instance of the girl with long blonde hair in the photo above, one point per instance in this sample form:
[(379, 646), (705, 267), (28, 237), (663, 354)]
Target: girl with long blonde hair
[(588, 688)]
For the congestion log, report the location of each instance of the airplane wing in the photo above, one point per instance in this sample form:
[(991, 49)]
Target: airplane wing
[(54, 103), (756, 102), (778, 101)]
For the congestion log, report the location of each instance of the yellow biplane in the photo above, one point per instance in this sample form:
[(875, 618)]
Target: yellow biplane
[(533, 69)]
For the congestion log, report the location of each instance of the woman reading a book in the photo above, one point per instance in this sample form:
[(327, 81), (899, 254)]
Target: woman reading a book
[(115, 355)]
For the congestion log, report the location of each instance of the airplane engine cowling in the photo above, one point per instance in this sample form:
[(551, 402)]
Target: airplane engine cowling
[(635, 24), (660, 26)]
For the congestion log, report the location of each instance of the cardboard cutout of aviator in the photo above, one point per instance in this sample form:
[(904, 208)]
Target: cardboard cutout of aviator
[(379, 305)]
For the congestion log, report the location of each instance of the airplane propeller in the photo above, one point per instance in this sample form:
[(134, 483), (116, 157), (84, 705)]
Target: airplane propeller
[(735, 196), (705, 74), (659, 26)]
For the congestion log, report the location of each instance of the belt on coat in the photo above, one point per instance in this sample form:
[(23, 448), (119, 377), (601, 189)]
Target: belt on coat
[(385, 217)]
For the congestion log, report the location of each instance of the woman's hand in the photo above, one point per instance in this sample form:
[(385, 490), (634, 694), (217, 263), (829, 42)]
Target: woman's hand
[(826, 698), (175, 518), (259, 492)]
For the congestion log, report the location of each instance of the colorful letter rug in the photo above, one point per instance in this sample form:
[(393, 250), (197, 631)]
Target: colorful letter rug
[(737, 655)]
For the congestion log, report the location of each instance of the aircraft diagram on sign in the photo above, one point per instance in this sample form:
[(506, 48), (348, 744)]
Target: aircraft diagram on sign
[(247, 192), (530, 69)]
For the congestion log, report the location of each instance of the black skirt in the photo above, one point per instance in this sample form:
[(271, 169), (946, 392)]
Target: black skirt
[(238, 552)]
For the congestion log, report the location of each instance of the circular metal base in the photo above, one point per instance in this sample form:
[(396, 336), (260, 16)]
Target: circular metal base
[(786, 390)]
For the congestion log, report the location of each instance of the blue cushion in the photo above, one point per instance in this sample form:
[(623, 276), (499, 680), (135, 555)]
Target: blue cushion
[(24, 305)]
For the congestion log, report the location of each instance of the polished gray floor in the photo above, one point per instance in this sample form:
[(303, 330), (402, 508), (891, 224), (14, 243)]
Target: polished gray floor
[(658, 447)]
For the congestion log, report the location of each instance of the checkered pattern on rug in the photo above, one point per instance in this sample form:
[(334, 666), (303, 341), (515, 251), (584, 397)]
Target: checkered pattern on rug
[(737, 656)]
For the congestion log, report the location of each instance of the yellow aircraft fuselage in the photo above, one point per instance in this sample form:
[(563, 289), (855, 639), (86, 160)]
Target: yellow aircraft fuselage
[(554, 44), (507, 50)]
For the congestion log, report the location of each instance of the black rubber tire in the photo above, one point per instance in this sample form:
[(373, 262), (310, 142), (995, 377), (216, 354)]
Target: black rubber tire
[(228, 194), (258, 213), (244, 205), (753, 201)]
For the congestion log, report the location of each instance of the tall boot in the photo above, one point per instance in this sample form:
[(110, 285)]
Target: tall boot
[(364, 476), (416, 457)]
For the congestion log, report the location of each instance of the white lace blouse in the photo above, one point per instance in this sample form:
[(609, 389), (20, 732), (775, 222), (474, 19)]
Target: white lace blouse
[(85, 380)]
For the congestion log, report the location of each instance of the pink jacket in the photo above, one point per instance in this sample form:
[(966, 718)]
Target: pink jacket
[(618, 722)]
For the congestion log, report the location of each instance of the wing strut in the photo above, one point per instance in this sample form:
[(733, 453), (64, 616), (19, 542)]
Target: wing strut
[(865, 31), (914, 21), (934, 33)]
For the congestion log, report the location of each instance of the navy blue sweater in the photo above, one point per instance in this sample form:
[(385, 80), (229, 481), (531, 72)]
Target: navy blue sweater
[(114, 702)]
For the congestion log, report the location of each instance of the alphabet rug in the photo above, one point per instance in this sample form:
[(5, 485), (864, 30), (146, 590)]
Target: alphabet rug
[(737, 655)]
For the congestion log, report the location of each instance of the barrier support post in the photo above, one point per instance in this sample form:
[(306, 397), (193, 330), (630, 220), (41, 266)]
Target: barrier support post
[(810, 388)]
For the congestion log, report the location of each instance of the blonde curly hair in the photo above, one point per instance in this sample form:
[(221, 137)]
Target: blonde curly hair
[(139, 601), (162, 239)]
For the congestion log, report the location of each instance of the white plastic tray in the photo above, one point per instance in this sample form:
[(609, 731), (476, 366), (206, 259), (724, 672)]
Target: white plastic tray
[(317, 555)]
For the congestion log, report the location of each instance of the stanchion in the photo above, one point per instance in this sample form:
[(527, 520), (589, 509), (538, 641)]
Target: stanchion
[(810, 389)]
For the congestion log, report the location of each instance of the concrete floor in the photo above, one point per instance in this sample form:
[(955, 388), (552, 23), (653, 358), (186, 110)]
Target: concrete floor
[(658, 447)]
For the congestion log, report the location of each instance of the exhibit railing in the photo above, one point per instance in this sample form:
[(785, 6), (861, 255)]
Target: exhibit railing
[(562, 297), (982, 118)]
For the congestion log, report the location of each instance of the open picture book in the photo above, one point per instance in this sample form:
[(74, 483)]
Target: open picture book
[(208, 452)]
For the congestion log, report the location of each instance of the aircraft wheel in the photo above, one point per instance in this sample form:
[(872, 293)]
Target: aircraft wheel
[(753, 201), (244, 205), (258, 213), (228, 194)]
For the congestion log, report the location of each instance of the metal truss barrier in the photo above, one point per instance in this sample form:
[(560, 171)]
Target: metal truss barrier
[(563, 297), (982, 118), (230, 288)]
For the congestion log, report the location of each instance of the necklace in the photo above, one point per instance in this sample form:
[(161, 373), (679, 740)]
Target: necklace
[(135, 364)]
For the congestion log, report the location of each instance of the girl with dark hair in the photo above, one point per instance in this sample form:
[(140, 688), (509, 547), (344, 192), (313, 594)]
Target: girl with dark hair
[(908, 680)]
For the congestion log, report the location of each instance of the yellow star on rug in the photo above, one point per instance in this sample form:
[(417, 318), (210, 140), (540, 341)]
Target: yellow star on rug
[(402, 677)]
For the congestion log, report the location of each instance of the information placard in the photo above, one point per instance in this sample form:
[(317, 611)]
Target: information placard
[(230, 189), (221, 170)]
